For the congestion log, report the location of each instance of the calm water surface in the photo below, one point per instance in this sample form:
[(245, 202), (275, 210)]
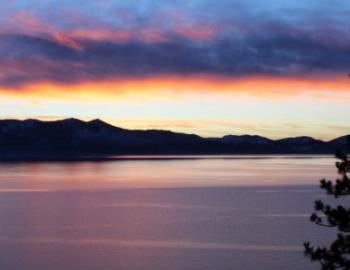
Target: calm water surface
[(174, 213)]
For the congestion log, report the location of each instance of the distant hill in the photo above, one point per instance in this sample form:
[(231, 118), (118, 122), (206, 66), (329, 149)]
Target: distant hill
[(72, 137)]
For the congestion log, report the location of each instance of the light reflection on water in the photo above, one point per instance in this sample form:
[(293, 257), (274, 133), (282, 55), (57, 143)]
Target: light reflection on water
[(173, 172), (235, 213)]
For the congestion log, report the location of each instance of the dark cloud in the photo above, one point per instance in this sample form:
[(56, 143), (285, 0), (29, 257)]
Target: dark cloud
[(27, 58)]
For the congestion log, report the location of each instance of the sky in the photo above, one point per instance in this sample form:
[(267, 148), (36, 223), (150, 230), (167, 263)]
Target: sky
[(273, 68)]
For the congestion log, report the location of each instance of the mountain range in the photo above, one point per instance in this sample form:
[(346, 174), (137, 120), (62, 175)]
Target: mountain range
[(35, 139)]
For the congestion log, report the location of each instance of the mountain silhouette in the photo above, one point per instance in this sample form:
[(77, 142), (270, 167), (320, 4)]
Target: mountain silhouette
[(26, 139)]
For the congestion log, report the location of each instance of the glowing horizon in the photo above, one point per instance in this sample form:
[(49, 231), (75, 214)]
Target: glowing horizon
[(271, 69)]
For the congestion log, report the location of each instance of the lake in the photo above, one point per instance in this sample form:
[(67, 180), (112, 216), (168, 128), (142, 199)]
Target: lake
[(157, 213)]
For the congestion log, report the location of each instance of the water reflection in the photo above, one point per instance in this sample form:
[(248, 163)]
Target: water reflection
[(173, 172), (156, 214)]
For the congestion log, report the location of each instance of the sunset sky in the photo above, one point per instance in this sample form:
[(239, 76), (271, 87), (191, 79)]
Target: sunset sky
[(272, 68)]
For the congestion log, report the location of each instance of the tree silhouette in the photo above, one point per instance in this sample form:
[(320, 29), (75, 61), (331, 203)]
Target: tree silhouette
[(337, 255)]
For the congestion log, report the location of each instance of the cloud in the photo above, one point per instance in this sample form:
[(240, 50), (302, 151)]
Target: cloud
[(113, 41), (63, 59)]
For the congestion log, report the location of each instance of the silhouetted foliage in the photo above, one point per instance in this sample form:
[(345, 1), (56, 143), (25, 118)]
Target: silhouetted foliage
[(337, 255)]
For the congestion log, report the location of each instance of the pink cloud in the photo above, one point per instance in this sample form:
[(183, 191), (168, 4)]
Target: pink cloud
[(66, 41), (151, 35), (120, 36), (195, 33)]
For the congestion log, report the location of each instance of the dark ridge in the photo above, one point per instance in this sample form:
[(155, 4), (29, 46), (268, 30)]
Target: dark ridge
[(75, 138)]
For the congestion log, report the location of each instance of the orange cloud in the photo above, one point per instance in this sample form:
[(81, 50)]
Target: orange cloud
[(176, 86)]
